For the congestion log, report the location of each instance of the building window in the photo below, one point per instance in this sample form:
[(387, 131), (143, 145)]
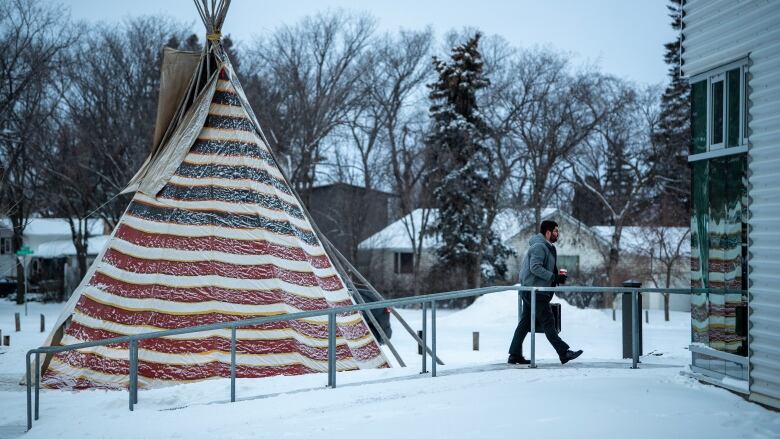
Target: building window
[(570, 263), (719, 228), (718, 108), (5, 246), (404, 263)]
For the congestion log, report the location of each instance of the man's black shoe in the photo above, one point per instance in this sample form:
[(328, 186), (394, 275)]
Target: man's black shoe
[(517, 360), (569, 355)]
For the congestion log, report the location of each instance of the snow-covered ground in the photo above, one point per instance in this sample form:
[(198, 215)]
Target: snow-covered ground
[(475, 394)]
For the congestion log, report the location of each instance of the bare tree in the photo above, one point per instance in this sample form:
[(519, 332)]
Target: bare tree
[(396, 85), (33, 38), (305, 84), (556, 110), (112, 102), (666, 250), (614, 163)]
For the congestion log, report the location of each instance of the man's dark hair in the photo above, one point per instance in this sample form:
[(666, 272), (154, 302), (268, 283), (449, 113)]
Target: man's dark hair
[(547, 226)]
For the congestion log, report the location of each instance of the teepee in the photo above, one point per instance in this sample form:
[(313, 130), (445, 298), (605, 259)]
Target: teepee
[(214, 233)]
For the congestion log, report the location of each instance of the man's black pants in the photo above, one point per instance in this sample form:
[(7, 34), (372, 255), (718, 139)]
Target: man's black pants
[(544, 319)]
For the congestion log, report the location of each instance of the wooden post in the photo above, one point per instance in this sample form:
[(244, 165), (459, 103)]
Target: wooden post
[(647, 316), (475, 340), (419, 346), (43, 323), (7, 340), (17, 320)]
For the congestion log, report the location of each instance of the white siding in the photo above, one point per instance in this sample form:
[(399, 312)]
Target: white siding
[(717, 32)]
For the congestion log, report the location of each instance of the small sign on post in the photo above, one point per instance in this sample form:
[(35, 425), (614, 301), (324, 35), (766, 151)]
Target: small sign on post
[(25, 251), (21, 254)]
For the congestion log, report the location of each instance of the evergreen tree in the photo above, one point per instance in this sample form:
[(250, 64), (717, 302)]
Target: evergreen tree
[(462, 176), (674, 133)]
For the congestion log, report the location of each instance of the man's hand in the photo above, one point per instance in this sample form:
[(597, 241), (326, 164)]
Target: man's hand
[(560, 279)]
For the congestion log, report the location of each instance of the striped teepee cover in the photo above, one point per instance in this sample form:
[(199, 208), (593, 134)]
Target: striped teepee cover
[(224, 240)]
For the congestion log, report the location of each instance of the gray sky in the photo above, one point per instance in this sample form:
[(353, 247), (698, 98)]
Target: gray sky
[(623, 37)]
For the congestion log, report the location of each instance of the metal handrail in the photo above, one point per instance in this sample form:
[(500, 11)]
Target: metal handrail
[(428, 300)]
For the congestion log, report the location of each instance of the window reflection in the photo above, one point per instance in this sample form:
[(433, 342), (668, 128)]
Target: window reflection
[(719, 259)]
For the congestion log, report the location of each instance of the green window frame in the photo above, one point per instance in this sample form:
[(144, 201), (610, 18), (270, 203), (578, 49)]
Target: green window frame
[(719, 112)]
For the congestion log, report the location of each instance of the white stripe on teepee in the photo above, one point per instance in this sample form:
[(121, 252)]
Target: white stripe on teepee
[(231, 160), (222, 282), (231, 134), (226, 110)]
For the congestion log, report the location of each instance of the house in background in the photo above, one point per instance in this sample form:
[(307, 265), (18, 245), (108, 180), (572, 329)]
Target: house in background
[(54, 267), (390, 257), (731, 58), (39, 234), (348, 214), (579, 249)]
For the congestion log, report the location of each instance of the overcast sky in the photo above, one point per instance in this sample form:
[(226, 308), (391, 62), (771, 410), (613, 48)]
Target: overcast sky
[(623, 37)]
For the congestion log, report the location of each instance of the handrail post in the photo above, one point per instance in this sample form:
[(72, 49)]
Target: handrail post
[(634, 329), (433, 338), (519, 305), (233, 364), (332, 350), (37, 382), (424, 338), (29, 391), (133, 371), (533, 328)]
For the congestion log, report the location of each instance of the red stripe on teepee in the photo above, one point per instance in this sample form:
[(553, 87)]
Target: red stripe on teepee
[(216, 343), (207, 293), (181, 372), (164, 320), (223, 269), (226, 245)]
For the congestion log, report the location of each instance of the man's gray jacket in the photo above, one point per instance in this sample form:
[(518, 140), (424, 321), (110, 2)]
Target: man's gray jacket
[(539, 265)]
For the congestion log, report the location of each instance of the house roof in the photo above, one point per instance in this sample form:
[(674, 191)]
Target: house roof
[(508, 223), (637, 239), (53, 226), (65, 247), (318, 186)]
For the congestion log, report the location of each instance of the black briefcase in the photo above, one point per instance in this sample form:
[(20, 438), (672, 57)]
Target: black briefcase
[(556, 311)]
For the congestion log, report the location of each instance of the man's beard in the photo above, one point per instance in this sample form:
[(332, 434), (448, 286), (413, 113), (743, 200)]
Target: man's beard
[(553, 239)]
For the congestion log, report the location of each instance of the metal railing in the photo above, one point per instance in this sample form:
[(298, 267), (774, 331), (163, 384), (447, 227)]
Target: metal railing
[(427, 301)]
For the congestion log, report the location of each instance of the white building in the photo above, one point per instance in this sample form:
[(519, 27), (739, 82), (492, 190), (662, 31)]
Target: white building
[(731, 58), (45, 236)]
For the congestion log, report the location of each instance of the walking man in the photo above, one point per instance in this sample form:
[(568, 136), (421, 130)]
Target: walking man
[(539, 269)]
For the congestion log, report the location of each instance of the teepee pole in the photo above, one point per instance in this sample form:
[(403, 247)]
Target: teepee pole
[(356, 295), (379, 296)]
